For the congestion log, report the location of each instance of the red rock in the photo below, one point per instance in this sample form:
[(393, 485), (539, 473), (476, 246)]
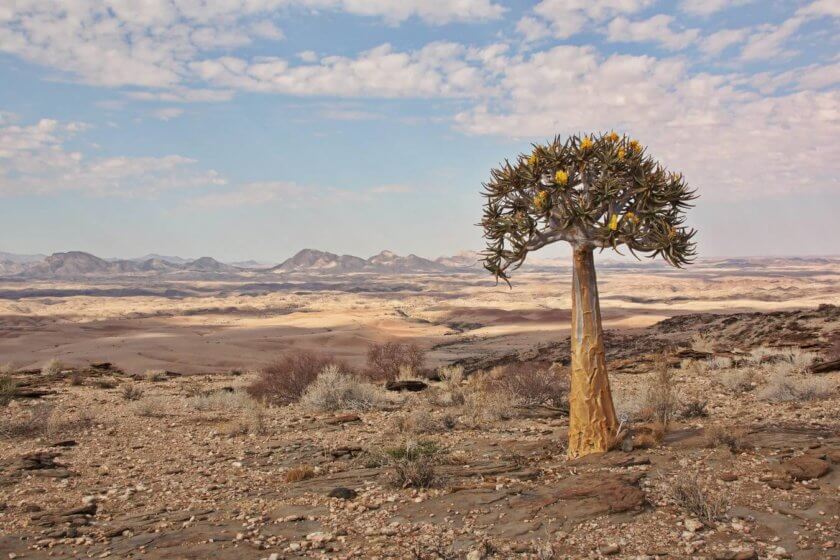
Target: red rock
[(806, 467)]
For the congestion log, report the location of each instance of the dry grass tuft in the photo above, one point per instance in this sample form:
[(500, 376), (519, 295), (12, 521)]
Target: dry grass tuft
[(77, 379), (152, 407), (221, 401), (661, 394), (251, 421), (43, 420), (695, 408), (384, 361), (688, 493), (783, 387), (738, 380), (52, 367), (284, 381), (7, 368), (413, 464), (334, 390), (8, 387), (533, 386), (423, 421), (131, 393), (299, 473), (725, 436)]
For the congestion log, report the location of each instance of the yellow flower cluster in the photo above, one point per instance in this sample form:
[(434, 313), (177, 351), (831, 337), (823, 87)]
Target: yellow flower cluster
[(621, 153), (586, 143), (614, 222), (635, 145), (541, 200), (632, 217), (561, 177), (613, 137), (532, 161)]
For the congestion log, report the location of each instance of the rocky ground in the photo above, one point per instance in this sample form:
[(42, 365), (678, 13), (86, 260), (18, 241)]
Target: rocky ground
[(188, 467)]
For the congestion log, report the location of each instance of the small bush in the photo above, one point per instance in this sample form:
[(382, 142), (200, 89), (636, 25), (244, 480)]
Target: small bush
[(661, 394), (451, 391), (251, 421), (297, 474), (695, 408), (8, 387), (333, 390), (284, 381), (738, 380), (534, 386), (131, 393), (105, 383), (385, 360), (8, 368), (786, 388), (155, 375), (221, 401), (77, 379), (423, 421), (486, 401), (413, 464), (151, 407), (725, 436), (43, 420), (688, 493), (52, 367)]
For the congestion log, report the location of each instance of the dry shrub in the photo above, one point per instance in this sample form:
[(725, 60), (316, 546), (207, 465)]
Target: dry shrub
[(155, 375), (661, 398), (333, 390), (718, 363), (52, 367), (299, 473), (251, 421), (131, 393), (738, 380), (423, 421), (154, 407), (284, 381), (782, 387), (384, 361), (77, 379), (695, 408), (222, 401), (486, 400), (688, 493), (725, 436), (534, 386), (413, 464), (8, 368), (8, 388), (105, 383), (42, 420), (451, 391)]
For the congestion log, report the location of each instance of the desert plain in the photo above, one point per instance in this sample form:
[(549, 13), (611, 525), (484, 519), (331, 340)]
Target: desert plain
[(139, 439)]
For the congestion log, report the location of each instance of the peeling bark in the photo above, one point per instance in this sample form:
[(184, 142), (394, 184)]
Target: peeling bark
[(592, 421)]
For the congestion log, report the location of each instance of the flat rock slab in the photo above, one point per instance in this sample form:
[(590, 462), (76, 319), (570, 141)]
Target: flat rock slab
[(806, 467)]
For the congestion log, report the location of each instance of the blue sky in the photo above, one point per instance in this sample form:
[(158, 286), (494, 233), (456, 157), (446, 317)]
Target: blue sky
[(253, 128)]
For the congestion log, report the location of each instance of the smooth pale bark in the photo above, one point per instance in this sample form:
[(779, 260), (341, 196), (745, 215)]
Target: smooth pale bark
[(592, 421)]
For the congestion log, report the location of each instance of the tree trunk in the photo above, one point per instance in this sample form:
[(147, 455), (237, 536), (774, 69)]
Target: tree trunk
[(592, 422)]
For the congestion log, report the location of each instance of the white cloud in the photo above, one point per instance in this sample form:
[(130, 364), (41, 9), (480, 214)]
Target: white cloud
[(821, 8), (656, 29), (437, 70), (150, 44), (719, 41), (565, 18), (729, 140), (290, 195), (768, 41), (708, 7), (167, 113), (34, 159)]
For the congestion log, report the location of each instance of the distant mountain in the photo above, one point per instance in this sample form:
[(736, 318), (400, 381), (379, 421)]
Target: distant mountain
[(156, 257), (464, 259), (251, 264), (312, 260), (208, 264), (388, 261)]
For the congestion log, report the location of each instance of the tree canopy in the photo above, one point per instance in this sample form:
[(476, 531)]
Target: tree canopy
[(599, 191)]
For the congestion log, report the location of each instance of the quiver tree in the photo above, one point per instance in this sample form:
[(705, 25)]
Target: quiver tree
[(594, 192)]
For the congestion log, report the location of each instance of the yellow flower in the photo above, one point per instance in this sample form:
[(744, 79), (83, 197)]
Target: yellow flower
[(585, 143), (635, 145), (621, 153), (532, 161), (672, 232), (614, 222), (613, 137), (561, 177), (632, 217), (541, 200)]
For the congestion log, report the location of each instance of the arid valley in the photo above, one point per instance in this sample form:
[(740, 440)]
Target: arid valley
[(130, 431)]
